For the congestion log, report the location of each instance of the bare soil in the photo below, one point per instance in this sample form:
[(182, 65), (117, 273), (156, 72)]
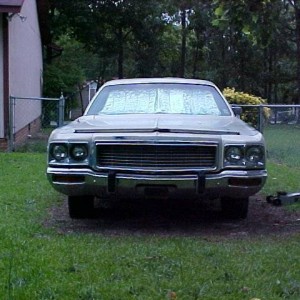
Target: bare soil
[(178, 219)]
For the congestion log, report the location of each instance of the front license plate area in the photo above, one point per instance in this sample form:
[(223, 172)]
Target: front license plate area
[(156, 191)]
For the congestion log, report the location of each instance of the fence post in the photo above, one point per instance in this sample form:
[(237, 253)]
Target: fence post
[(11, 124), (61, 111), (261, 119)]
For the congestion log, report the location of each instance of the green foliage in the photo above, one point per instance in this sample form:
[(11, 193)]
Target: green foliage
[(246, 16), (67, 71), (242, 98), (107, 29), (249, 115), (260, 34), (250, 45)]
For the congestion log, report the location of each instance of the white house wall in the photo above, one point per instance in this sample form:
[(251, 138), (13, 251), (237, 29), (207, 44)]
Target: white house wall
[(25, 64), (1, 82)]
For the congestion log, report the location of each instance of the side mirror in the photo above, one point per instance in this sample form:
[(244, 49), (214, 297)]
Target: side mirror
[(237, 110)]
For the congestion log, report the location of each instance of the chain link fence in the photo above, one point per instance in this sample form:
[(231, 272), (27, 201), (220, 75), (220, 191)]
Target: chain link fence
[(32, 117), (281, 130)]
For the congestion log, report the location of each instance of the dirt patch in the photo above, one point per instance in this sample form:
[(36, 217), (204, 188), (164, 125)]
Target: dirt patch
[(177, 219)]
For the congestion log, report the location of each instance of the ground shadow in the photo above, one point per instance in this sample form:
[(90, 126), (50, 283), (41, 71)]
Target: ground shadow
[(178, 219)]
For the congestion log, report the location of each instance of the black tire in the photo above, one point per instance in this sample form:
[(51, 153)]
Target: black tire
[(81, 207), (234, 208)]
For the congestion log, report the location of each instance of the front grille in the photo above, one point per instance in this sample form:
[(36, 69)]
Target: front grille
[(158, 156)]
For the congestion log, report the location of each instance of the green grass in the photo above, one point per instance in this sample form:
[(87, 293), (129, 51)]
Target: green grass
[(282, 178), (39, 146), (283, 144), (40, 263)]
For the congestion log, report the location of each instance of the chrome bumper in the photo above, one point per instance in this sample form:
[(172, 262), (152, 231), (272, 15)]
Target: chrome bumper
[(233, 183)]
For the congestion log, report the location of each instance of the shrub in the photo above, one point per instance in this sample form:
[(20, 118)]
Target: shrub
[(250, 114)]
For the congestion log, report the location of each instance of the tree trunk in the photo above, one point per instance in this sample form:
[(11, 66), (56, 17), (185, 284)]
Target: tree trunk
[(195, 63), (183, 44), (196, 54), (120, 52), (297, 17), (270, 76), (275, 77)]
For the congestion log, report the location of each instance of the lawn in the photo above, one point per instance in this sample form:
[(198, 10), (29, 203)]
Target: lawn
[(37, 262), (283, 144)]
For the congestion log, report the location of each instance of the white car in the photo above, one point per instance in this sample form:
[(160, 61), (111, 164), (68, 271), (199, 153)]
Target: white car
[(158, 137)]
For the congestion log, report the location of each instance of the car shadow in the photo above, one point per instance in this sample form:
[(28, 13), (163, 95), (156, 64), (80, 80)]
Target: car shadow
[(177, 218), (155, 217)]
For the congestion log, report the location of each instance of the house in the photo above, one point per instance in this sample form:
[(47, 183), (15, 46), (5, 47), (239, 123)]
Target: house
[(21, 68)]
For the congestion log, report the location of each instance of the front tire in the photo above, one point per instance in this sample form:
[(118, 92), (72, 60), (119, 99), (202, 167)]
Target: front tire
[(233, 208), (81, 207)]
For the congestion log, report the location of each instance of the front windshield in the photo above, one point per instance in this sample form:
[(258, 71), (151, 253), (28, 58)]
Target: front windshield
[(154, 98)]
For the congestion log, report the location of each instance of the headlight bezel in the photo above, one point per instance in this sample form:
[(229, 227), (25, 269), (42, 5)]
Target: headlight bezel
[(252, 156), (233, 155), (255, 158), (70, 157), (59, 148), (80, 148)]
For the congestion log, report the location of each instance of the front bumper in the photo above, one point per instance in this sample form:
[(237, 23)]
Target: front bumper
[(233, 183)]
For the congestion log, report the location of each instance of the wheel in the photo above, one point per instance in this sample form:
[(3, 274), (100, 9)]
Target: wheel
[(81, 207), (234, 208)]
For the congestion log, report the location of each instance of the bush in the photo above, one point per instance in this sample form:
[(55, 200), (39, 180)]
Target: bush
[(250, 114)]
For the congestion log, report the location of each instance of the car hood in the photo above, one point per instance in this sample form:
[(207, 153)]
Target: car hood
[(219, 125)]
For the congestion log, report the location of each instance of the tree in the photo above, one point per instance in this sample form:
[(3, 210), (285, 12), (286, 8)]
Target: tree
[(248, 45), (259, 31), (105, 27), (296, 6), (181, 11), (67, 71)]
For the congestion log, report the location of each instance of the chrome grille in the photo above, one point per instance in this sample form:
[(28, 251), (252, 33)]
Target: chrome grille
[(156, 156)]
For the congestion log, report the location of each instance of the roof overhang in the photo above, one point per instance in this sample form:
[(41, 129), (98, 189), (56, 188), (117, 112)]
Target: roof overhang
[(11, 6)]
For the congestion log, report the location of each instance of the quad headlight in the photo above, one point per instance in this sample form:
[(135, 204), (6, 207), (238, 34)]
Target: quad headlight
[(233, 155), (79, 152), (252, 156), (59, 152), (68, 152)]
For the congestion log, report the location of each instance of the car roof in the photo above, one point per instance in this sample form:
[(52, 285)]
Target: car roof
[(158, 80)]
